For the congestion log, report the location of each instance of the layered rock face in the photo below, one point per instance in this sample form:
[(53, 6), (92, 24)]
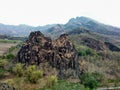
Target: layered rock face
[(59, 53)]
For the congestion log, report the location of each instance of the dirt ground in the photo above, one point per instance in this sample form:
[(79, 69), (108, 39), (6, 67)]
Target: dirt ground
[(5, 46)]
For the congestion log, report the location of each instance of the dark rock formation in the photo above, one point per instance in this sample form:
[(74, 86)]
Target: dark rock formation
[(99, 45), (112, 47), (94, 44), (60, 53), (5, 86)]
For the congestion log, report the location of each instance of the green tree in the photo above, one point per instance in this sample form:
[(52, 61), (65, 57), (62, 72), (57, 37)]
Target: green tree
[(88, 81)]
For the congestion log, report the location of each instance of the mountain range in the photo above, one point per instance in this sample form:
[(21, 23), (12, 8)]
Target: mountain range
[(74, 25), (84, 22)]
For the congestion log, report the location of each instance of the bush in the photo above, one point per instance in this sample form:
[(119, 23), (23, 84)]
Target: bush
[(3, 63), (89, 51), (88, 81), (10, 56), (30, 69), (98, 76), (81, 53), (86, 51), (2, 72), (18, 69), (51, 80), (33, 75)]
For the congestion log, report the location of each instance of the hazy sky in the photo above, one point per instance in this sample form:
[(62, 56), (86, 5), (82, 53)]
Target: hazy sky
[(41, 12)]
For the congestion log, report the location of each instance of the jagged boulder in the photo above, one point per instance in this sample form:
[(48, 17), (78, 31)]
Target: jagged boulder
[(59, 53)]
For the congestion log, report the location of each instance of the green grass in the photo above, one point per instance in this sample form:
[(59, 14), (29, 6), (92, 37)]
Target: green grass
[(64, 85), (9, 41)]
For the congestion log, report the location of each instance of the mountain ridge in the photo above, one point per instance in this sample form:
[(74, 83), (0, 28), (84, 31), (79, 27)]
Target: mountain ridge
[(85, 22)]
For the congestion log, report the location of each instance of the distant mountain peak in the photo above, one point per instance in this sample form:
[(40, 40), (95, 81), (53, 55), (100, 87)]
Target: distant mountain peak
[(81, 20)]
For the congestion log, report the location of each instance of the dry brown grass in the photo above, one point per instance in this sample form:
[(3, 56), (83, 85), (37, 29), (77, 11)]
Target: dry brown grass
[(5, 46), (110, 68)]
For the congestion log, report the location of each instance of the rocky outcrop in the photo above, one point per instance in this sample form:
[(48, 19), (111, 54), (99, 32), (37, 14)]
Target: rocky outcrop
[(99, 45), (5, 86), (94, 44), (60, 53), (112, 47)]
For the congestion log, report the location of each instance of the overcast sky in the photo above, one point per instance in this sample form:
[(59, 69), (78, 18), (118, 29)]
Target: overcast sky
[(42, 12)]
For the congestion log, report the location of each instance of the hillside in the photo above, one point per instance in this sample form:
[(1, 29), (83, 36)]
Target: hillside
[(75, 62), (92, 39), (96, 53)]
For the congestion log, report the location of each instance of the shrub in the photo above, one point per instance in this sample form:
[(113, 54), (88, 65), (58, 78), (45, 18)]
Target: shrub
[(18, 69), (51, 80), (88, 81), (98, 76), (86, 51), (89, 51), (81, 53), (30, 69), (33, 75), (10, 56), (3, 63), (2, 72)]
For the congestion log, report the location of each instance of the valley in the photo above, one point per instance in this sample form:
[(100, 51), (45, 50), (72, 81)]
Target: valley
[(82, 54)]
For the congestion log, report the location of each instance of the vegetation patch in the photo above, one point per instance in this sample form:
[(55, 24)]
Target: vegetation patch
[(18, 70), (33, 75)]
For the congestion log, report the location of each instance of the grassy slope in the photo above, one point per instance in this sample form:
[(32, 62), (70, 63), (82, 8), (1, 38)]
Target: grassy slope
[(104, 62)]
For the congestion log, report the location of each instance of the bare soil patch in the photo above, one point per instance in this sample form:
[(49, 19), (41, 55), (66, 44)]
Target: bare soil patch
[(5, 46)]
